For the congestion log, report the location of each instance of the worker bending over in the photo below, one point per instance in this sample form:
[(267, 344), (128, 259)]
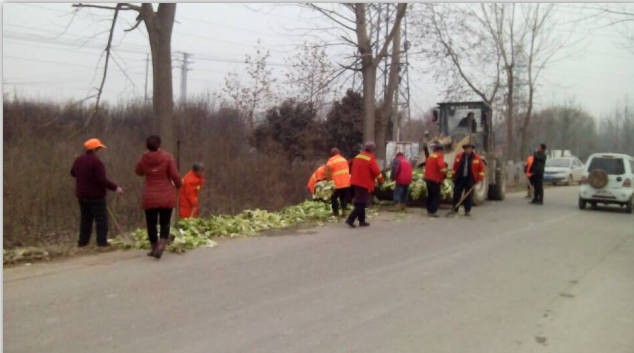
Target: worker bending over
[(192, 184), (318, 175)]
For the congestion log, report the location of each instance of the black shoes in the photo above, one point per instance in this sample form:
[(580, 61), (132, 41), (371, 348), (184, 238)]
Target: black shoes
[(351, 224), (364, 224)]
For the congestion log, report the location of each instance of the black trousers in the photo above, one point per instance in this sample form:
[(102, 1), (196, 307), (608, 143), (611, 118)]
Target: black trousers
[(463, 185), (537, 180), (357, 212), (361, 199), (93, 210), (340, 195), (158, 215), (433, 196)]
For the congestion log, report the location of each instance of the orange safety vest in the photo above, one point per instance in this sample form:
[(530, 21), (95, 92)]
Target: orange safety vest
[(529, 164), (189, 192), (339, 171), (318, 175)]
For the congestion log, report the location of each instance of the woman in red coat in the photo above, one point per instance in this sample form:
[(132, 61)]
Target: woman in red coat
[(159, 193)]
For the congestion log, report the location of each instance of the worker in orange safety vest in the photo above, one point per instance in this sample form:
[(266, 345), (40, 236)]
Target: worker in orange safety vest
[(318, 175), (192, 184), (338, 170)]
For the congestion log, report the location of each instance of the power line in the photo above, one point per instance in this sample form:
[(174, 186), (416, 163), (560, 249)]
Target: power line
[(46, 61), (43, 7), (17, 42)]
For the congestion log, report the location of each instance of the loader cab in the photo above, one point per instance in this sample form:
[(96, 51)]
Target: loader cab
[(461, 119)]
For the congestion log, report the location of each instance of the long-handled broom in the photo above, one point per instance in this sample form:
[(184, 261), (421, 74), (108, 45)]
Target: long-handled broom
[(455, 208)]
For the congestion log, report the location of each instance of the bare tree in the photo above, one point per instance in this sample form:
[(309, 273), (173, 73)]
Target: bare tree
[(159, 25), (508, 33), (617, 15), (354, 19), (539, 52), (463, 57), (249, 99), (309, 76)]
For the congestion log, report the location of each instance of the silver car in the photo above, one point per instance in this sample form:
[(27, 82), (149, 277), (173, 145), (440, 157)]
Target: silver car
[(563, 170)]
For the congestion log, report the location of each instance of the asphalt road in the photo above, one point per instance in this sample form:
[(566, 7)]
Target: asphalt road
[(514, 278)]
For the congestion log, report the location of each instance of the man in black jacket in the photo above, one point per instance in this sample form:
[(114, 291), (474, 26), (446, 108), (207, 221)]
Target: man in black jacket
[(537, 179)]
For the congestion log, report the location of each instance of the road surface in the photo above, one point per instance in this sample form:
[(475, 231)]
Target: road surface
[(514, 278)]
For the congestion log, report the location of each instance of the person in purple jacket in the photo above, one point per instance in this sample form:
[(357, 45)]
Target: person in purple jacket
[(91, 185)]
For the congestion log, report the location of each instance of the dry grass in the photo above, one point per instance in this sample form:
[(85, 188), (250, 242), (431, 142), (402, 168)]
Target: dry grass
[(39, 148)]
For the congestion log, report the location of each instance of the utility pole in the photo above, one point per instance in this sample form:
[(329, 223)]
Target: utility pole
[(147, 66), (184, 69)]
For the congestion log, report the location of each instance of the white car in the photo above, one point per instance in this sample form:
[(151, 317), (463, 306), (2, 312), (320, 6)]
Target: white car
[(565, 170), (608, 178)]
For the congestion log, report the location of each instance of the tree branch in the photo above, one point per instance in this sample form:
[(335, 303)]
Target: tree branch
[(400, 13), (105, 69), (138, 22), (327, 14), (119, 7)]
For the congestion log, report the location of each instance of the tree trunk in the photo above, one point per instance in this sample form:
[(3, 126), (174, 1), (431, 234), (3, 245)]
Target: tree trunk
[(159, 27), (369, 85), (388, 105), (381, 135), (510, 137)]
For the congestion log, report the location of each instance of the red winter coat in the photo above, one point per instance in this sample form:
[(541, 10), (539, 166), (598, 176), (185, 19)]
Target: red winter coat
[(435, 168), (403, 170), (477, 167), (365, 170), (161, 179)]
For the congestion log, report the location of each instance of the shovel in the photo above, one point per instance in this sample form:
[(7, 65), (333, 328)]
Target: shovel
[(464, 197)]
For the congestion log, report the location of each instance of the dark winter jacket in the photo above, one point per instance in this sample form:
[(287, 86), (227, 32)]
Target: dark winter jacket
[(161, 179), (539, 163), (90, 177)]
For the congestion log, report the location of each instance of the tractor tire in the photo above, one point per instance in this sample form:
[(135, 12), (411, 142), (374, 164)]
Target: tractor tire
[(598, 179), (480, 192), (497, 191)]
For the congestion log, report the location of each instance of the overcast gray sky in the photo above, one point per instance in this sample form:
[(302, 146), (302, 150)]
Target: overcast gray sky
[(45, 57)]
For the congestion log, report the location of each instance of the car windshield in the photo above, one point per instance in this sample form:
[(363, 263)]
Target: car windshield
[(558, 163), (612, 166)]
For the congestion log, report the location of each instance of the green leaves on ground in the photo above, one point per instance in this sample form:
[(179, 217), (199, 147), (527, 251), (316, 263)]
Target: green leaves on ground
[(197, 232)]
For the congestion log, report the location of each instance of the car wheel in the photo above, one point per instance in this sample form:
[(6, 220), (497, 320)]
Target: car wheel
[(582, 204), (630, 206)]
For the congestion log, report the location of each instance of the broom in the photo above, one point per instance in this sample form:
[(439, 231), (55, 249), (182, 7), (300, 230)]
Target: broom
[(464, 197)]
